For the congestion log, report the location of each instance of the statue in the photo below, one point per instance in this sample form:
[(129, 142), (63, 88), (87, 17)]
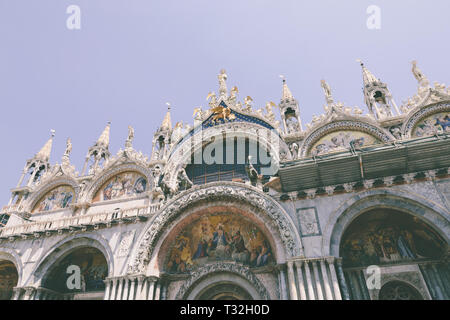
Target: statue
[(253, 175), (128, 143), (269, 108), (420, 77), (327, 91), (222, 83), (183, 180), (68, 147), (211, 97), (233, 94)]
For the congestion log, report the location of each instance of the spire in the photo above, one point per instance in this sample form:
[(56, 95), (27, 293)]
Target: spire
[(368, 77), (286, 94), (103, 140), (167, 122), (44, 153)]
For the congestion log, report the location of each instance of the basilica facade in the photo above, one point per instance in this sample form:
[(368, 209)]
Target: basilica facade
[(245, 203)]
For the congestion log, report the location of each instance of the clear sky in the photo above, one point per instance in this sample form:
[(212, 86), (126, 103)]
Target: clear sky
[(132, 56)]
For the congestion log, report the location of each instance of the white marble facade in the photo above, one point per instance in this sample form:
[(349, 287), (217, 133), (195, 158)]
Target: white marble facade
[(148, 227)]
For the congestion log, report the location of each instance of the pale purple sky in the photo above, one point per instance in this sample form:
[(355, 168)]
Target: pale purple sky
[(132, 56)]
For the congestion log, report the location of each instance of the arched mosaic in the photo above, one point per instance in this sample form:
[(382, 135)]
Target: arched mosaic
[(58, 198), (436, 123), (122, 185), (385, 236), (218, 237), (342, 141)]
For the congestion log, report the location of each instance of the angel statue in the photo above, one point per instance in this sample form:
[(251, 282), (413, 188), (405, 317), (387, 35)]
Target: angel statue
[(269, 108), (211, 97)]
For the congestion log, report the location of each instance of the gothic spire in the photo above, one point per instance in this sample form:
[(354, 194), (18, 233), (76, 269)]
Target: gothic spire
[(44, 153), (167, 122), (368, 77), (286, 94), (103, 140)]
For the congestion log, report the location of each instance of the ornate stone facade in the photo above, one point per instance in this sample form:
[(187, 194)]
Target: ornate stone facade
[(280, 224)]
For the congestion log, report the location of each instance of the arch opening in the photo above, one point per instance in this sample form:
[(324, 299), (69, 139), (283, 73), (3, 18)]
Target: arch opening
[(8, 279), (399, 290), (224, 290), (78, 274), (385, 236)]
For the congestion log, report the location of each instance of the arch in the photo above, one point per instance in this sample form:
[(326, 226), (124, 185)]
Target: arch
[(190, 145), (432, 214), (342, 125), (416, 117), (399, 290), (63, 248), (112, 171), (40, 192), (194, 232), (12, 256), (265, 209), (202, 279)]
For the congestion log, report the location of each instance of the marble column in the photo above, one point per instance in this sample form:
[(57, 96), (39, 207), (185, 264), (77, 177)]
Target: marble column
[(119, 289), (16, 293), (158, 291), (151, 290), (291, 280), (282, 283), (139, 288), (144, 292), (309, 284), (163, 290), (107, 289), (317, 278), (336, 290), (437, 281), (132, 288), (113, 289), (341, 277), (301, 283), (125, 289), (326, 282)]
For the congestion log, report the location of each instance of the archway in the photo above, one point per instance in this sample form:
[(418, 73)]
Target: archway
[(8, 279), (224, 291), (398, 290), (78, 274), (400, 245)]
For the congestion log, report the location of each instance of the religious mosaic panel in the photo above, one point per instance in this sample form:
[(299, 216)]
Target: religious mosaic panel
[(93, 270), (343, 141), (436, 123), (386, 236), (58, 198), (217, 238), (123, 185)]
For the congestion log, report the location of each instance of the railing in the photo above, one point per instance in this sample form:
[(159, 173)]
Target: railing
[(78, 221)]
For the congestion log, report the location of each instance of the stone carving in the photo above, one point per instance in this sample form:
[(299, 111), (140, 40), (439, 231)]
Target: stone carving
[(222, 191), (237, 268), (309, 224), (125, 243)]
